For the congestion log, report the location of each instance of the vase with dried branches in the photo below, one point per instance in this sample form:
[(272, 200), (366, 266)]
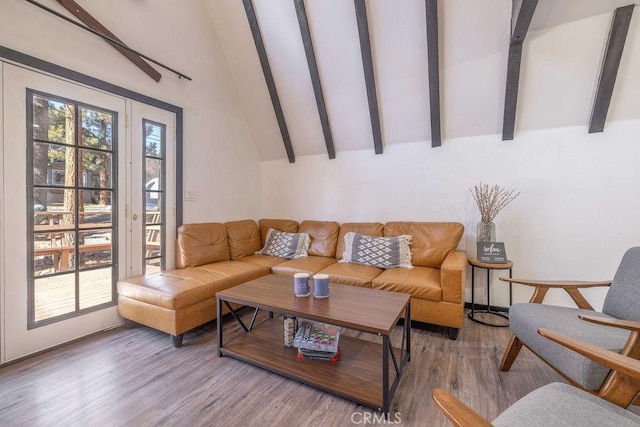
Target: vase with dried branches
[(490, 200)]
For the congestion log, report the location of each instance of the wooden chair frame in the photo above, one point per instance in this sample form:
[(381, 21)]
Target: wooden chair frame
[(625, 367), (615, 388)]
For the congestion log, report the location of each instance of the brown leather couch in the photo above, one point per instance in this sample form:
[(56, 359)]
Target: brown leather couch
[(215, 256)]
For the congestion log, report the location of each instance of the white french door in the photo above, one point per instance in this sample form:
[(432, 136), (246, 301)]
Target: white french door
[(76, 162), (152, 189)]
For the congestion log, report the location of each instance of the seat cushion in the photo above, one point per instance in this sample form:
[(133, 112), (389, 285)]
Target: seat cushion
[(180, 288), (559, 404), (351, 274), (310, 264), (526, 319), (420, 282), (264, 260), (170, 291), (237, 271)]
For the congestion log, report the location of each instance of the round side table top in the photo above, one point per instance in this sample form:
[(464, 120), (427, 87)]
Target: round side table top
[(476, 263)]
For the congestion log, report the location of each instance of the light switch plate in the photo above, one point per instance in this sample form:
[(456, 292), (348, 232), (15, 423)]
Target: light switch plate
[(190, 195)]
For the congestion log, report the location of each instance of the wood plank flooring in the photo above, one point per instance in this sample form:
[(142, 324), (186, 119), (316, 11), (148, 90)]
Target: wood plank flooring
[(134, 377)]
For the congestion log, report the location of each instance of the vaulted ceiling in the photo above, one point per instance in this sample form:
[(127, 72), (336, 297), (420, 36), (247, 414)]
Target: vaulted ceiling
[(562, 57)]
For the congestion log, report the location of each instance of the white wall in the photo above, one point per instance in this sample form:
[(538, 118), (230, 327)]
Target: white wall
[(578, 210), (577, 214), (220, 160)]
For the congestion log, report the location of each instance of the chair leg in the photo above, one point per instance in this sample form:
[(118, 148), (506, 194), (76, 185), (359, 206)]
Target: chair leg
[(510, 353)]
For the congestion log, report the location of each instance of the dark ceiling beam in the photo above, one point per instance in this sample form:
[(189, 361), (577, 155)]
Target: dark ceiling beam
[(521, 15), (94, 24), (434, 71), (303, 22), (369, 77), (266, 70), (610, 64)]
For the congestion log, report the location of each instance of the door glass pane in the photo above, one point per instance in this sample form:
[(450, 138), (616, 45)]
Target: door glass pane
[(154, 169), (54, 296), (50, 119), (96, 168), (72, 157), (97, 129), (95, 248), (154, 160), (95, 288)]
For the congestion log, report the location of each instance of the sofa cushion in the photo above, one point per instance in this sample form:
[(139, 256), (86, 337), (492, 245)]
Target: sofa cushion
[(526, 319), (287, 225), (381, 252), (310, 264), (237, 271), (324, 237), (559, 404), (176, 289), (285, 245), (264, 260), (200, 244), (368, 228), (432, 241), (351, 274), (420, 282), (243, 237), (170, 291)]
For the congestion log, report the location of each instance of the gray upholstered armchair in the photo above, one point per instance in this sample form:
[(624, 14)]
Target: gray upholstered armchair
[(559, 403), (606, 330)]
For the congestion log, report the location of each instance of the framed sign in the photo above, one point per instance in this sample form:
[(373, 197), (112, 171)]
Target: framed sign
[(492, 252)]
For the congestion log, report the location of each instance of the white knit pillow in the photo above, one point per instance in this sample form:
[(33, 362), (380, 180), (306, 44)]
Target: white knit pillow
[(285, 245), (381, 252)]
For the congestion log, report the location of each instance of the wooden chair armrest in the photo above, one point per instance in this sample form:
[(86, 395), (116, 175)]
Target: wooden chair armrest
[(630, 325), (623, 364), (562, 284), (457, 412)]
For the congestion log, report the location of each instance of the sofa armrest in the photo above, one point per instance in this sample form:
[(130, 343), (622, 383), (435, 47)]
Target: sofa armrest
[(453, 276)]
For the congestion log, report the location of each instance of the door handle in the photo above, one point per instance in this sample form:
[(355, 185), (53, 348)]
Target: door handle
[(135, 216)]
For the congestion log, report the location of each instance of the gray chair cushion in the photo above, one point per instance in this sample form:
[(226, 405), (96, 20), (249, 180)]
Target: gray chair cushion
[(559, 404), (623, 298), (525, 319)]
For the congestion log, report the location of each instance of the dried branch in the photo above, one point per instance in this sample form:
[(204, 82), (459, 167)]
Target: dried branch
[(491, 200)]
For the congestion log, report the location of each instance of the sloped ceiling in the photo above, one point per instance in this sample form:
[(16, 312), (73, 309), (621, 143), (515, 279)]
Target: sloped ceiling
[(474, 43)]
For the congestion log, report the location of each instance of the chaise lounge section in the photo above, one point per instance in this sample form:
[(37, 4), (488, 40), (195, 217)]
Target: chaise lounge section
[(215, 256)]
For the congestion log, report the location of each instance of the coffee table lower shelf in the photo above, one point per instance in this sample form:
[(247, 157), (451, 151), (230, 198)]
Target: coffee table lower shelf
[(357, 376)]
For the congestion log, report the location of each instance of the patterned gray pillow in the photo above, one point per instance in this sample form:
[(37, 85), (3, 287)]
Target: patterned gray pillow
[(381, 252), (285, 245)]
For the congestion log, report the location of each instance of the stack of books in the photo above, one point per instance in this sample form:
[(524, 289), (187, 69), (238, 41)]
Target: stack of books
[(317, 340)]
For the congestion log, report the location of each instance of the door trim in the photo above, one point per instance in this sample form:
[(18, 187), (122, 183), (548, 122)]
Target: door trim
[(57, 70)]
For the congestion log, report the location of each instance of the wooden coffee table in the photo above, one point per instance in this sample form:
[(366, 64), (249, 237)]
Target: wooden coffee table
[(362, 374)]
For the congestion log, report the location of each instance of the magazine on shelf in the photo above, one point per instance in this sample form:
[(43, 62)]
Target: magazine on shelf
[(317, 336), (319, 355)]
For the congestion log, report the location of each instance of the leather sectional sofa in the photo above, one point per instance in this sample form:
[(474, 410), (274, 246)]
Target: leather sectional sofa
[(215, 256)]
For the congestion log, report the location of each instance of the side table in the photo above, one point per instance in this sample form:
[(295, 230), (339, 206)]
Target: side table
[(475, 263)]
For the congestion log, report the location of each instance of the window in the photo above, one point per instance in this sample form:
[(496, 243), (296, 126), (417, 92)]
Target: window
[(71, 161)]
